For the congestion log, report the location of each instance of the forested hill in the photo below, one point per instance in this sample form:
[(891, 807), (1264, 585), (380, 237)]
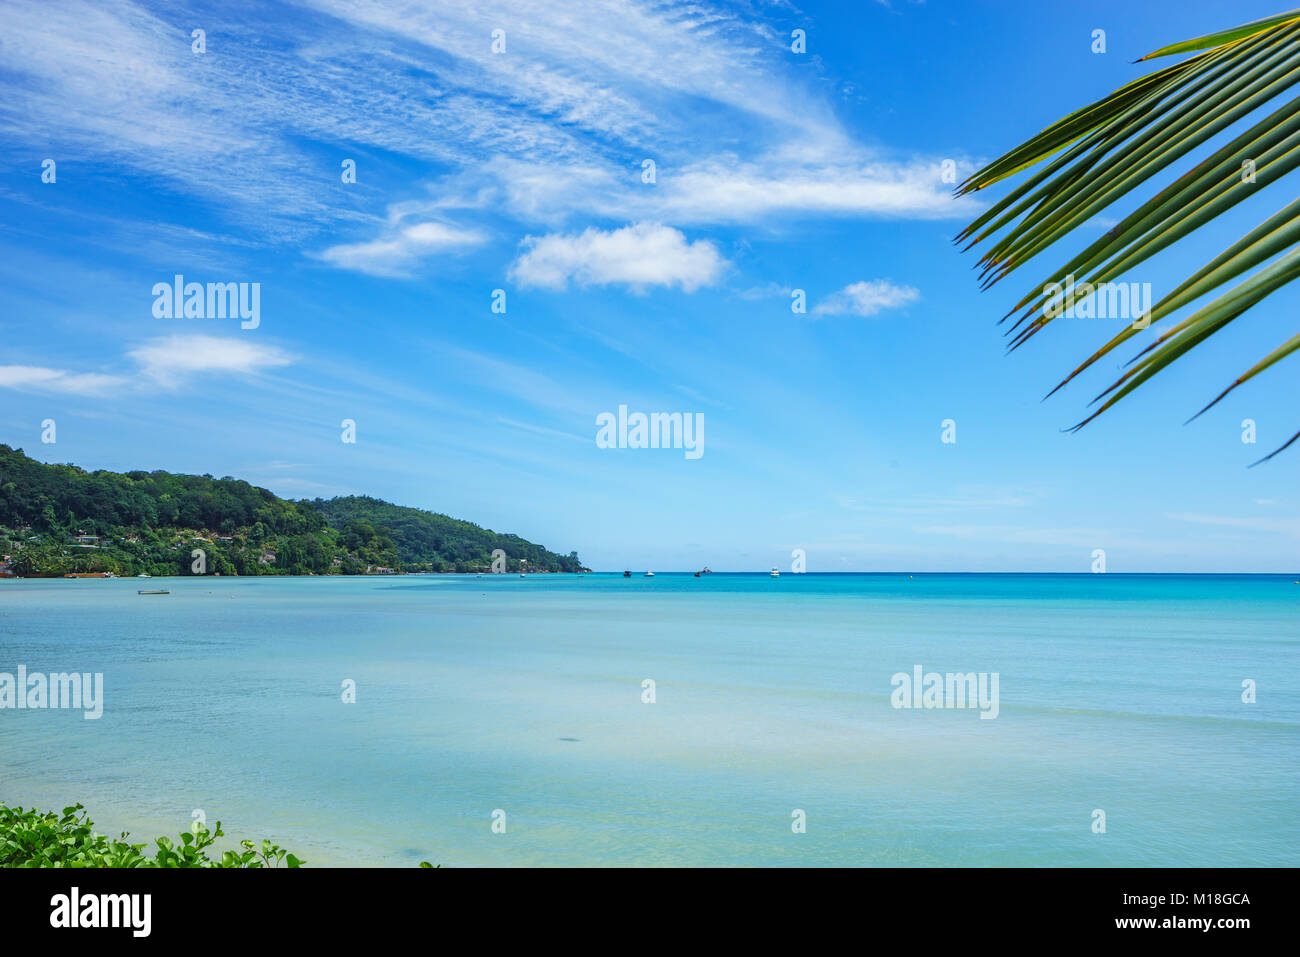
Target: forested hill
[(428, 537), (60, 519)]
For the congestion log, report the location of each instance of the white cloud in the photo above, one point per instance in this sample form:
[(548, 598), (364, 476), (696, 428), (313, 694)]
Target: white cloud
[(168, 361), (866, 298), (645, 254), (41, 379), (398, 253)]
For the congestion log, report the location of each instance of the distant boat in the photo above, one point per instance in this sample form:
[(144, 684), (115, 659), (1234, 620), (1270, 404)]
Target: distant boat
[(153, 591), (697, 574), (706, 570), (775, 573), (649, 574), (522, 575), (144, 575), (627, 574)]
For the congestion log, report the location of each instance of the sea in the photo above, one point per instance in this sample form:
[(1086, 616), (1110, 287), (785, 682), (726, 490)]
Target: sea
[(720, 720)]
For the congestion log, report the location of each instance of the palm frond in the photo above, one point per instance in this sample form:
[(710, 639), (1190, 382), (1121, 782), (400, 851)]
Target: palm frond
[(1098, 155)]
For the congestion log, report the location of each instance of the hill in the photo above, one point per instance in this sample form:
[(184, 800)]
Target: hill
[(60, 519)]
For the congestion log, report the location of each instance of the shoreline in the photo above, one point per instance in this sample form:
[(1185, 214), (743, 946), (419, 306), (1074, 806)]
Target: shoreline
[(1294, 575)]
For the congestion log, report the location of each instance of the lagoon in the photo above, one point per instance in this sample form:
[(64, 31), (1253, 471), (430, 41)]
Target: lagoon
[(1118, 693)]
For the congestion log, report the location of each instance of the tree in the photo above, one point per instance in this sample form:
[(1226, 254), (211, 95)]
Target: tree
[(1110, 148)]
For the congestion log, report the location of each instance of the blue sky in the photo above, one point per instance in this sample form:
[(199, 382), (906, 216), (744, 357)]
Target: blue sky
[(522, 171)]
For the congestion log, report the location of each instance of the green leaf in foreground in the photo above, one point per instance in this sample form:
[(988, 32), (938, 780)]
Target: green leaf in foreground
[(34, 838), (1102, 153)]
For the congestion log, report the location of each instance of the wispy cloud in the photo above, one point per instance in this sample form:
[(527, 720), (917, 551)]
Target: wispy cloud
[(547, 131), (1081, 538), (41, 379), (722, 189), (1269, 524), (399, 252), (542, 430), (769, 290), (921, 505)]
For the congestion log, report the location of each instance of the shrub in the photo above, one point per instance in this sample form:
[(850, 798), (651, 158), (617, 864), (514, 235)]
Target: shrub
[(32, 838)]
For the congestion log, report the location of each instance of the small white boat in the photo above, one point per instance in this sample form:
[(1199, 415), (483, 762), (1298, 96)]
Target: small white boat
[(649, 574), (775, 573), (144, 575), (522, 575)]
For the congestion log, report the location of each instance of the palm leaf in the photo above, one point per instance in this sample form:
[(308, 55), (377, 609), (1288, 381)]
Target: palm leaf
[(1223, 36), (1095, 157)]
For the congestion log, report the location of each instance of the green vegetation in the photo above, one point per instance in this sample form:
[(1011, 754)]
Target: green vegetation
[(31, 838), (1110, 148), (60, 519), (443, 543)]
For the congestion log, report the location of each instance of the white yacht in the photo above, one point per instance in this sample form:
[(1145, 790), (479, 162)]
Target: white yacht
[(649, 574), (775, 573)]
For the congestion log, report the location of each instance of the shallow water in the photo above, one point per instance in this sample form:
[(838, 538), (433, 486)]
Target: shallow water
[(1118, 693)]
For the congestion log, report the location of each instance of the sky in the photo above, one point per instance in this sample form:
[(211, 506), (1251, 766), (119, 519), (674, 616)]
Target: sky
[(506, 267)]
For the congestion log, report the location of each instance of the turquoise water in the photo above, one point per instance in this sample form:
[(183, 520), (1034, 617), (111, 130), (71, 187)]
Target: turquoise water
[(1119, 693)]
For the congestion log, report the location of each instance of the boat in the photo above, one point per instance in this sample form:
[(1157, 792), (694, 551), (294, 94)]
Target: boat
[(153, 591), (649, 574), (775, 573), (627, 574), (697, 574), (522, 575), (144, 575)]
